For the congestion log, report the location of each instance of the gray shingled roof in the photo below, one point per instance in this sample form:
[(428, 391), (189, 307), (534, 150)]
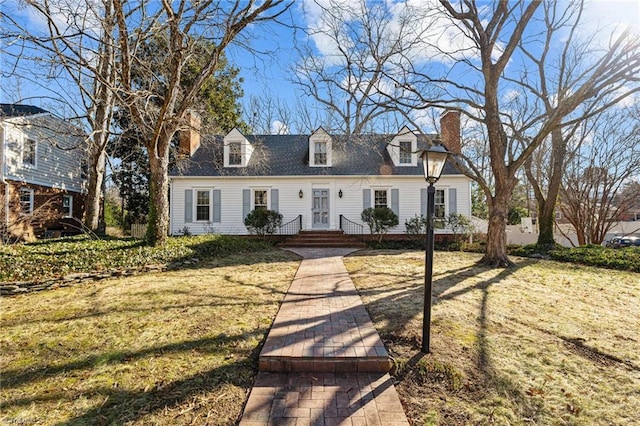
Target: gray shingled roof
[(288, 155), (17, 110)]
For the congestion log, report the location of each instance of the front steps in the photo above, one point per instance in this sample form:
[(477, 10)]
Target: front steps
[(322, 239)]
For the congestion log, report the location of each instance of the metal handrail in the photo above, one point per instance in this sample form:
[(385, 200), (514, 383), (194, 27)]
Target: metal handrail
[(292, 227), (350, 227)]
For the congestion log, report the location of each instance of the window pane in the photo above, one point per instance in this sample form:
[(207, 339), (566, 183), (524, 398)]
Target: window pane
[(29, 152), (67, 203), (235, 154), (439, 204), (202, 205), (320, 155), (25, 201), (202, 213), (380, 199), (260, 200), (405, 152)]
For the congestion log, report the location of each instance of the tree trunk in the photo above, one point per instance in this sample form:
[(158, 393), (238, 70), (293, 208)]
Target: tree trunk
[(547, 206), (496, 251), (158, 224), (93, 203)]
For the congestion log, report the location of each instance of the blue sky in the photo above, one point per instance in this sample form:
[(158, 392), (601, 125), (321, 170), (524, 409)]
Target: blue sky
[(269, 74)]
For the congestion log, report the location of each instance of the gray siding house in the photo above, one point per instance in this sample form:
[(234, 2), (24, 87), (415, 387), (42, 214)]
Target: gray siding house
[(42, 183)]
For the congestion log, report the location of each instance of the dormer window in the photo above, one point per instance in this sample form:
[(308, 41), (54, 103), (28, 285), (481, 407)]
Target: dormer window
[(235, 153), (237, 149), (320, 154), (405, 152), (320, 149), (403, 148)]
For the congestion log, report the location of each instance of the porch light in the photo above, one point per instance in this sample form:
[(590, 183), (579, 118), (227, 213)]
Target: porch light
[(301, 194), (433, 161), (340, 193)]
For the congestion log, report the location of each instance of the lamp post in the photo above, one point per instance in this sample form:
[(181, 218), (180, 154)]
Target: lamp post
[(433, 161)]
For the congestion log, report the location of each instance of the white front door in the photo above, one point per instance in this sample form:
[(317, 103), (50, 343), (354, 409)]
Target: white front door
[(320, 209)]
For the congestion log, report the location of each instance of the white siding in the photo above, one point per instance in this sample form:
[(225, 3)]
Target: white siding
[(291, 205), (58, 152)]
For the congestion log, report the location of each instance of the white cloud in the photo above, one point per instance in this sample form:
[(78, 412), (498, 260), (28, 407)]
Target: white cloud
[(279, 128), (422, 23), (611, 17)]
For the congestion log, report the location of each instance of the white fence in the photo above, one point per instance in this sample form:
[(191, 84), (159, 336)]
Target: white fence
[(138, 230)]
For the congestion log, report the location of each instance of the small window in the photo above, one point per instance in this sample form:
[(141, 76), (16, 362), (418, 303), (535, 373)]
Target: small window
[(235, 154), (380, 198), (260, 200), (29, 148), (320, 154), (203, 202), (405, 152), (67, 205), (26, 200)]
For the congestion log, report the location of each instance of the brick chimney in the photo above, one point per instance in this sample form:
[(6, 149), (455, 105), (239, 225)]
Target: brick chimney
[(189, 136), (450, 131)]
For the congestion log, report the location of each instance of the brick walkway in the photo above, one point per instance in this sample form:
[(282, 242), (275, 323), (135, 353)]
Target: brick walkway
[(323, 363)]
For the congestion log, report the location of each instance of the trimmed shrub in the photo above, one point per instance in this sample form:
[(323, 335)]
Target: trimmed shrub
[(263, 222), (379, 220)]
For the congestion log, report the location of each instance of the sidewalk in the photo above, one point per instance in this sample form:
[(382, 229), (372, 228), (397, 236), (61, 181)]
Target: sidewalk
[(323, 363)]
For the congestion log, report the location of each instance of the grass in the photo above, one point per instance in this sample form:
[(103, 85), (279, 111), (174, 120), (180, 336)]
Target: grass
[(55, 258), (542, 343), (177, 347)]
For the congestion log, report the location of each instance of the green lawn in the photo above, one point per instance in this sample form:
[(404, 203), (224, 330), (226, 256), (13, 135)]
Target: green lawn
[(177, 347), (544, 343)]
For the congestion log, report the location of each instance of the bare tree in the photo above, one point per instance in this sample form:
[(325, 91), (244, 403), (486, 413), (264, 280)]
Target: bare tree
[(481, 86), (556, 79), (76, 51), (607, 158), (160, 107), (358, 41)]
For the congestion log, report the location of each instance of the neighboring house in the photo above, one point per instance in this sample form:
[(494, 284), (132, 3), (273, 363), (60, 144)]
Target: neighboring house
[(41, 174), (319, 180)]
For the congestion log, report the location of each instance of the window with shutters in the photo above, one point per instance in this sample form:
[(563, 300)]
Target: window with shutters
[(380, 198), (260, 199), (203, 203)]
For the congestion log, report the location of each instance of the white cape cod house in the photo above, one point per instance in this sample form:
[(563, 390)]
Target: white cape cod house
[(318, 181)]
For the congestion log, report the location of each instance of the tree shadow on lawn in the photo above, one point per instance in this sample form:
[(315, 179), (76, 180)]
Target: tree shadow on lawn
[(120, 406), (410, 292), (226, 301)]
